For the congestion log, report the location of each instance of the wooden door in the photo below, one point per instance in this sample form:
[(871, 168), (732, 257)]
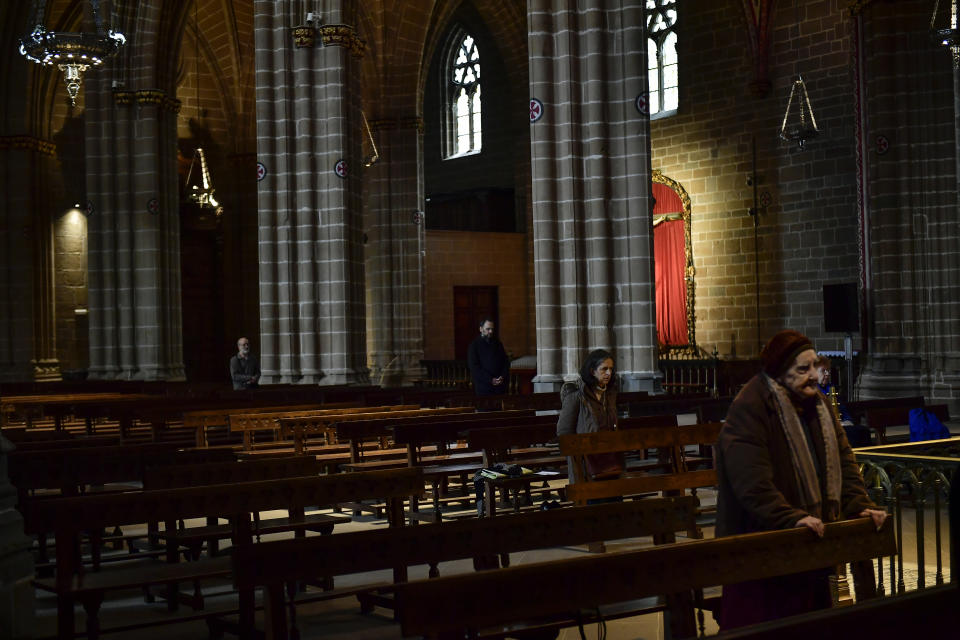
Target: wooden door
[(470, 305)]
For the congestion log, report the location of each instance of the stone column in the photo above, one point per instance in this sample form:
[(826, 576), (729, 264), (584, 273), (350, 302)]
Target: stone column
[(590, 164), (914, 265), (395, 246), (134, 233), (28, 342), (27, 198), (16, 566), (311, 253)]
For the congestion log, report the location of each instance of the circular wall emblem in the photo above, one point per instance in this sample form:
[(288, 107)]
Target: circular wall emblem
[(883, 145), (261, 171), (536, 109), (765, 199), (89, 208), (340, 168), (418, 217), (642, 103), (153, 206)]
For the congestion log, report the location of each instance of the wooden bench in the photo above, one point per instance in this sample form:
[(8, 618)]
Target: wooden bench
[(249, 423), (446, 461), (70, 516), (498, 446), (193, 475), (31, 407), (858, 408), (202, 420), (674, 439), (550, 594), (881, 418), (273, 565)]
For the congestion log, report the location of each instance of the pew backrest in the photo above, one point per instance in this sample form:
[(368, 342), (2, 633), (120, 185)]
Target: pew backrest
[(562, 587)]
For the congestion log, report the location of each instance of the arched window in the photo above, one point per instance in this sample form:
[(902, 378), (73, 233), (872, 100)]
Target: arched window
[(463, 130), (662, 57)]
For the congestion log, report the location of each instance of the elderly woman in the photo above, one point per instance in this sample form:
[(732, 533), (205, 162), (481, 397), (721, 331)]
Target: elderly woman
[(783, 461)]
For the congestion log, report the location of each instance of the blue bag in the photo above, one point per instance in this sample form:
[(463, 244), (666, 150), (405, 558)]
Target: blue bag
[(925, 425)]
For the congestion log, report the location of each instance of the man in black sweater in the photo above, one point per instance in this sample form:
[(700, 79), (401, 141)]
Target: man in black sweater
[(488, 361)]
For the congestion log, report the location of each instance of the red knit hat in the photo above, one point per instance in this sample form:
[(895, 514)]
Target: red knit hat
[(780, 351)]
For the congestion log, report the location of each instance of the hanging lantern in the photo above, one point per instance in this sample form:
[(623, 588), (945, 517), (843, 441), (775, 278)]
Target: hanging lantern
[(73, 53), (943, 29), (801, 126)]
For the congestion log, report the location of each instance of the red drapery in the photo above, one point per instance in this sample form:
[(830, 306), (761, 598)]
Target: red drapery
[(669, 265)]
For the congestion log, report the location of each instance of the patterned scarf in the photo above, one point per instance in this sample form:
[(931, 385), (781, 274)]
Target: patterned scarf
[(802, 457)]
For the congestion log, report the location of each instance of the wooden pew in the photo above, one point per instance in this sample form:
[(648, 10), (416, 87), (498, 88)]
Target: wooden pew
[(382, 429), (273, 565), (489, 602), (880, 419), (447, 461), (498, 444), (194, 475), (858, 408), (30, 407), (248, 423), (202, 420), (70, 516), (578, 446)]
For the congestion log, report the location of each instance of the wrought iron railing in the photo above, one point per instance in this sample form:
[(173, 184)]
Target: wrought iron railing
[(914, 492)]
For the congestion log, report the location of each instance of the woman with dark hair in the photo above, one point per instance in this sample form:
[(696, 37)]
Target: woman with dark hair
[(589, 405)]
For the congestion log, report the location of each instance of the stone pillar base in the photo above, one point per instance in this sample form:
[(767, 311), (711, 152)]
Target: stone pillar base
[(46, 370), (547, 383), (649, 381)]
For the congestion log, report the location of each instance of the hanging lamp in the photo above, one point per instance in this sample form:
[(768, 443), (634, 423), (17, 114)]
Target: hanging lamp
[(72, 52), (944, 31), (799, 124)]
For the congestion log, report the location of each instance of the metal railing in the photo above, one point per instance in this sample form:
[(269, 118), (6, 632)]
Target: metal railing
[(916, 494)]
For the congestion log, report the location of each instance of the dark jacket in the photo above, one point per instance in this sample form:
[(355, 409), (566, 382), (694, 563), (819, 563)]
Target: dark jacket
[(243, 371), (757, 484), (598, 417), (488, 360)]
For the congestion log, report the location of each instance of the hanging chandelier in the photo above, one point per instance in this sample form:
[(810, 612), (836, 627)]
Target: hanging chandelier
[(944, 30), (72, 52), (802, 126)]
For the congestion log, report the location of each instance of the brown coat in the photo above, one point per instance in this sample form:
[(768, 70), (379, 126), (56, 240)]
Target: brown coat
[(757, 485)]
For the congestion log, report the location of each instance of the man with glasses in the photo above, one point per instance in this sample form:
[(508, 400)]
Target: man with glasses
[(244, 368)]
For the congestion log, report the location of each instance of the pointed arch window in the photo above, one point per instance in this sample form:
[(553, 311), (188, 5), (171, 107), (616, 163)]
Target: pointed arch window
[(662, 57), (463, 130)]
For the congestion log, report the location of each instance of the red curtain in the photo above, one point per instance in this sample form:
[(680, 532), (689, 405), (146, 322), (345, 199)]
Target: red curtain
[(671, 289)]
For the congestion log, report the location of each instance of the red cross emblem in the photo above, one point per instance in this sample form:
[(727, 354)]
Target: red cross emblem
[(261, 171), (536, 109), (883, 145), (340, 168), (153, 206), (642, 104)]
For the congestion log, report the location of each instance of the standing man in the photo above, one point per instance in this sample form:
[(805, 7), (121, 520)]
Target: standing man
[(489, 365), (244, 368), (783, 461)]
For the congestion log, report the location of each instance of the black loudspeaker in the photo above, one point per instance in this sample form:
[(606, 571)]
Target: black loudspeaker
[(841, 308)]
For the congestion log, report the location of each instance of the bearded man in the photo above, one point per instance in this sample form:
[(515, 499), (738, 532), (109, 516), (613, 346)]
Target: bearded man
[(783, 461)]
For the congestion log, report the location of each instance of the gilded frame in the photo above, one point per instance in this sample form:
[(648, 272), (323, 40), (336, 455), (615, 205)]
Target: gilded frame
[(659, 178)]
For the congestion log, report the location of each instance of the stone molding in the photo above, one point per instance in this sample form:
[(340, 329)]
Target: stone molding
[(28, 143)]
